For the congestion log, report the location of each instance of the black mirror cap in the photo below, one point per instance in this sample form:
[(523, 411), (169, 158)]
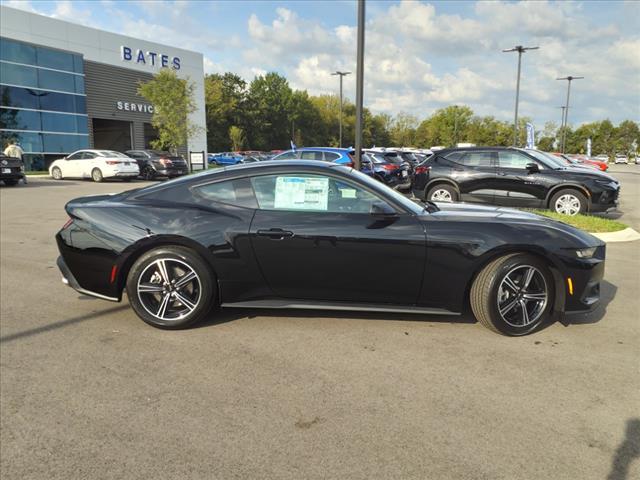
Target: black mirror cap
[(382, 209), (532, 167)]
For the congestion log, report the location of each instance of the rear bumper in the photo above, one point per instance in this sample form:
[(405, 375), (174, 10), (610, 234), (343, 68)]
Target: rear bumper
[(69, 280), (12, 176)]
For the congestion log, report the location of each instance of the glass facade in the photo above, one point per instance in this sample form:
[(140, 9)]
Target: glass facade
[(42, 101)]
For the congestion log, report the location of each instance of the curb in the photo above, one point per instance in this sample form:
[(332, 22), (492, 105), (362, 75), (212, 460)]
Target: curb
[(626, 235)]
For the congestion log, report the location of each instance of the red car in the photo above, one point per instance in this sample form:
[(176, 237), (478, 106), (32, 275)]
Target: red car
[(583, 160)]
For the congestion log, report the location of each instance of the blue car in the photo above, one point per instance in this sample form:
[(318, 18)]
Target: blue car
[(393, 175), (343, 156), (227, 158)]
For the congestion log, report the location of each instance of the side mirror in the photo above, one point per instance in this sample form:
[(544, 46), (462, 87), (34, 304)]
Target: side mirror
[(381, 209), (532, 167)]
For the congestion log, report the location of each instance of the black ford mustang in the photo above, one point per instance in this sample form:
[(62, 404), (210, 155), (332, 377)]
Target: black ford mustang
[(304, 234)]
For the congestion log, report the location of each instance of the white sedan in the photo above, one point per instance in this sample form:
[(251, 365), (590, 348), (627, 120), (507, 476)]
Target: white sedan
[(95, 164)]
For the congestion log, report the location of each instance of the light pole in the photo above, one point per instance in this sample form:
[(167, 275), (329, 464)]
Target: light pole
[(359, 83), (341, 74), (520, 49), (562, 107), (566, 107)]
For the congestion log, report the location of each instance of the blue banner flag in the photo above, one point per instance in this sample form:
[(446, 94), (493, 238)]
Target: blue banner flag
[(531, 136), (293, 145)]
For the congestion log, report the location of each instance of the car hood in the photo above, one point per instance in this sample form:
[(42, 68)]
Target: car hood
[(588, 172), (462, 212)]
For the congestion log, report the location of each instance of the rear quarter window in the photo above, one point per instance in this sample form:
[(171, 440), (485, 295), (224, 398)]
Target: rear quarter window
[(238, 192)]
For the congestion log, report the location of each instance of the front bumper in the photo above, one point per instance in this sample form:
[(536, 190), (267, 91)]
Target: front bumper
[(581, 282)]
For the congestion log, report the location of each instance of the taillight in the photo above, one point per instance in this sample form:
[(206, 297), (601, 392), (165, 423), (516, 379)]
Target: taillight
[(390, 166), (112, 162), (421, 169), (67, 223), (350, 164), (166, 162)]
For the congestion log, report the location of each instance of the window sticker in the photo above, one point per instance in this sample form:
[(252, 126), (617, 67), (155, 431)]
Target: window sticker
[(348, 192), (302, 193)]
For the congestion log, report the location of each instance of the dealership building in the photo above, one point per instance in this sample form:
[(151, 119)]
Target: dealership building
[(66, 87)]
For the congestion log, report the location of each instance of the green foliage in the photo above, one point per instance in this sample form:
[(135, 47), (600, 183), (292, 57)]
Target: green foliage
[(270, 113), (236, 136), (172, 100), (588, 223)]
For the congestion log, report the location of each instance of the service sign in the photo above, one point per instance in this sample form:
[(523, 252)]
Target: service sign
[(152, 59), (134, 107)]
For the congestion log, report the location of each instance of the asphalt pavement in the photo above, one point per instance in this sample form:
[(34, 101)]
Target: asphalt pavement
[(87, 390)]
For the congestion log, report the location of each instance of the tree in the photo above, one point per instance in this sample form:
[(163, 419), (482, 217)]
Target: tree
[(172, 100), (403, 130), (447, 126), (236, 136), (267, 109), (225, 96)]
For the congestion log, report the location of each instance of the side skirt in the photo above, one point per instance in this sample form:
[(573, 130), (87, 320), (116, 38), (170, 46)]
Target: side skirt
[(322, 305)]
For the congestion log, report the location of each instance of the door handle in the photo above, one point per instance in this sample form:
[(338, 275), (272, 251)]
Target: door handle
[(275, 233)]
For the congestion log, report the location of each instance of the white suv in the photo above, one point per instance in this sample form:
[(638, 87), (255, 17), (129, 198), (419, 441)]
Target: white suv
[(95, 164)]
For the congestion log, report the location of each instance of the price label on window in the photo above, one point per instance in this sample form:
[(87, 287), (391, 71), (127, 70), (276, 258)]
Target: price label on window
[(302, 193)]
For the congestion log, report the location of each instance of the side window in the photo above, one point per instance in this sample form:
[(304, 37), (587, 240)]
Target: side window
[(287, 156), (513, 160), (311, 155), (88, 155), (75, 156), (312, 193), (477, 159), (331, 156), (455, 156), (234, 192)]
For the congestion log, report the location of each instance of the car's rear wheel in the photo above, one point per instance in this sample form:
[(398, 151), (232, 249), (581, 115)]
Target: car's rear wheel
[(148, 173), (96, 175), (171, 287), (11, 182), (442, 193), (513, 295), (568, 202), (56, 173)]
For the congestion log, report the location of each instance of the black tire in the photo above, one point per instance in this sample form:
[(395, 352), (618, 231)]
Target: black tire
[(96, 175), (441, 192), (148, 173), (178, 261), (127, 179), (56, 173), (491, 293), (11, 182), (569, 200)]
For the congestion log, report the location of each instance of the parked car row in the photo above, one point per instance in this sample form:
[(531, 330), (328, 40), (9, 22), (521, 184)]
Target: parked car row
[(100, 164), (235, 158)]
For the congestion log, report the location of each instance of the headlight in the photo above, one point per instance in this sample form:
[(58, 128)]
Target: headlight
[(586, 252), (602, 181)]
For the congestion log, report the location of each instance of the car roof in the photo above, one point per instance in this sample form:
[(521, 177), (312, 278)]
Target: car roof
[(328, 149), (473, 149)]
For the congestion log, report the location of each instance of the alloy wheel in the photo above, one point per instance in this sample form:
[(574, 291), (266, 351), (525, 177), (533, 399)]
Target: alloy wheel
[(567, 204), (522, 296), (169, 289), (441, 195)]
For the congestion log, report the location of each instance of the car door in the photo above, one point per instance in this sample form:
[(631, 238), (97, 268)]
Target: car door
[(475, 174), (72, 165), (87, 164), (314, 238), (516, 186)]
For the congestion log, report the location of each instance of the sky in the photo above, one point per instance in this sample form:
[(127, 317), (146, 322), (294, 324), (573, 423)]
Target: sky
[(419, 55)]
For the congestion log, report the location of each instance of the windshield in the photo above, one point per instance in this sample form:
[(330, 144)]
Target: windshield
[(397, 197), (547, 159)]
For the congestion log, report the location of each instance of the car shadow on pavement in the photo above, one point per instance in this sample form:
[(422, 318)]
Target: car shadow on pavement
[(607, 294), (626, 452), (225, 315), (61, 324)]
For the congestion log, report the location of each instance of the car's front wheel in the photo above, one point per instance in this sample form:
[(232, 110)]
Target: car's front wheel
[(56, 173), (171, 287), (513, 295), (568, 202)]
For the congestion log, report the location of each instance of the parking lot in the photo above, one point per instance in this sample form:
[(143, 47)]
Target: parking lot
[(87, 390)]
